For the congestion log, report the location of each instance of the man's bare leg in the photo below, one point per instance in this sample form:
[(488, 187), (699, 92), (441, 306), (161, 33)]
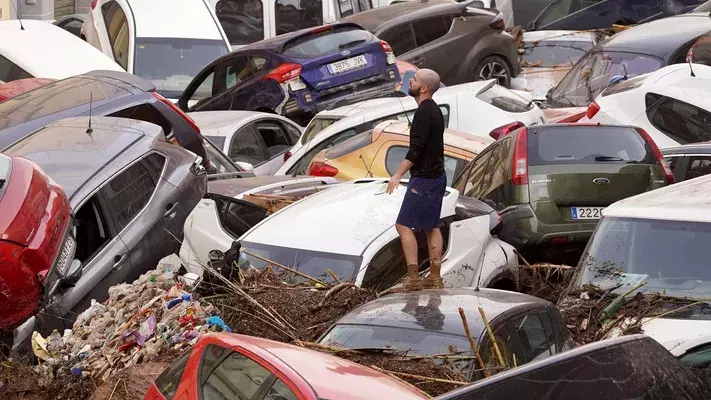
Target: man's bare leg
[(434, 247), (409, 248)]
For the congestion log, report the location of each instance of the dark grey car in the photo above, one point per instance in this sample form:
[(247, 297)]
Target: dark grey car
[(688, 161), (427, 322), (130, 191), (461, 43)]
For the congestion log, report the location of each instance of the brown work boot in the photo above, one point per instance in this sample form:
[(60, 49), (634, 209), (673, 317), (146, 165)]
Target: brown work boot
[(434, 278), (412, 280)]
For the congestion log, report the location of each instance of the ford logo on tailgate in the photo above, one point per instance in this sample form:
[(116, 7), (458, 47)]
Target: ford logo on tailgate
[(345, 52), (601, 181)]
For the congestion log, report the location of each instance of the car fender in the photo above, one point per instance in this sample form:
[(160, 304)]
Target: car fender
[(500, 263), (485, 47), (202, 233)]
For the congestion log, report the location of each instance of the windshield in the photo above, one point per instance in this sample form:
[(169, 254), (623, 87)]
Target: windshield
[(5, 169), (593, 73), (312, 263), (551, 53), (329, 41), (629, 251), (172, 63), (315, 126)]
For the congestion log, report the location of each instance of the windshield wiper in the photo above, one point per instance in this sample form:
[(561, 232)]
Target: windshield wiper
[(608, 158), (351, 43)]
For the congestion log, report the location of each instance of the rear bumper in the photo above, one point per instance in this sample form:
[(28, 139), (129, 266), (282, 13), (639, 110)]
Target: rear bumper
[(523, 230)]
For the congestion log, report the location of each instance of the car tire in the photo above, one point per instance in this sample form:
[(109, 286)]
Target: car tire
[(493, 67)]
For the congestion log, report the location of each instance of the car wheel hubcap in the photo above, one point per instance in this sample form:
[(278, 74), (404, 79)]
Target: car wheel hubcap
[(494, 70)]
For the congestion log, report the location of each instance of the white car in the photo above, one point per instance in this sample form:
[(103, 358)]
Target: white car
[(476, 108), (255, 141), (350, 229), (673, 106), (548, 56), (43, 50), (165, 41), (660, 238)]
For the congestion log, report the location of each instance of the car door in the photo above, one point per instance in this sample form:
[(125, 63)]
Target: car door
[(431, 37), (117, 38), (402, 40), (248, 146)]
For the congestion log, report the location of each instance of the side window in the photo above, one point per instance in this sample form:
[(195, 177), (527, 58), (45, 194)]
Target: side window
[(346, 8), (401, 39), (274, 137), (10, 71), (219, 163), (92, 229), (365, 5), (279, 391), (247, 146), (536, 335), (117, 28), (396, 154), (294, 134), (128, 192), (292, 16), (238, 70), (497, 171), (258, 63), (237, 217), (167, 382), (680, 121), (430, 29), (698, 358), (236, 377), (302, 165), (697, 166), (674, 164), (488, 354), (386, 267), (474, 184), (204, 90)]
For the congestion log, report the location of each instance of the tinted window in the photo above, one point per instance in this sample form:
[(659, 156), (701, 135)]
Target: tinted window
[(387, 267), (551, 53), (487, 173), (293, 15), (247, 146), (588, 145), (525, 11), (238, 217), (395, 155), (560, 9), (680, 121), (401, 39), (536, 335), (346, 8), (428, 30), (211, 358), (10, 71), (72, 26), (504, 99), (117, 29), (239, 69), (204, 90), (699, 357), (330, 41), (315, 126), (242, 21), (274, 136), (697, 166), (167, 382), (237, 377), (219, 163), (129, 192), (172, 63)]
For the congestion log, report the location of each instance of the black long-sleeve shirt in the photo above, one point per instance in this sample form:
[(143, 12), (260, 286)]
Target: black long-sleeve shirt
[(427, 141)]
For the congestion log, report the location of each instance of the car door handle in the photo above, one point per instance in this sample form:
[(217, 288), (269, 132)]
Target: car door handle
[(118, 260), (170, 210)]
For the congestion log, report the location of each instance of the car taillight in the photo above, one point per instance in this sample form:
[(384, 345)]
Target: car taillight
[(321, 169), (658, 154), (593, 108), (284, 72), (520, 160), (93, 4), (390, 56), (287, 155), (498, 22), (386, 46), (506, 129), (180, 112)]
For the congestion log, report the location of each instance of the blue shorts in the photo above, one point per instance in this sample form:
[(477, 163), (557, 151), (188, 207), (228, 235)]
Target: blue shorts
[(422, 204)]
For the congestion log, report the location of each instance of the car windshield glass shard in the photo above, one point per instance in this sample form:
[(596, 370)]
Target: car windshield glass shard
[(311, 46), (587, 145), (312, 263), (171, 63), (554, 53), (629, 251)]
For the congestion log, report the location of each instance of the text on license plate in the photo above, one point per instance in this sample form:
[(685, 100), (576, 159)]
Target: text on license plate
[(347, 65), (586, 212)]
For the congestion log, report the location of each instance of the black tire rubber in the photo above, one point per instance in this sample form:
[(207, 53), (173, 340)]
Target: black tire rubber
[(487, 62)]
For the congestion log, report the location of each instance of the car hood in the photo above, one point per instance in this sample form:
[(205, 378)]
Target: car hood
[(674, 334)]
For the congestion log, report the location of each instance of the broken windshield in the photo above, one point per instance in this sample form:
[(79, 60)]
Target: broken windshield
[(551, 53), (625, 252)]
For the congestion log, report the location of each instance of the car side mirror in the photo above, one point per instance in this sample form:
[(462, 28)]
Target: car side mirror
[(73, 274), (245, 166)]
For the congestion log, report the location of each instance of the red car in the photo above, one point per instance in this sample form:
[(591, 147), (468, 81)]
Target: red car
[(14, 88), (228, 366), (35, 238)]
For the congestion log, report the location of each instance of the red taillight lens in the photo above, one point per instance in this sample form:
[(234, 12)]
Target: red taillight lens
[(498, 22), (321, 169), (180, 112), (284, 72), (287, 155), (593, 108), (93, 4), (386, 46), (520, 160), (658, 154), (505, 129)]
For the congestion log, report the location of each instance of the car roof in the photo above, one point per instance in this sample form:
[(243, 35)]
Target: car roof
[(452, 137), (683, 201), (576, 36), (71, 156), (276, 43), (361, 208), (660, 37), (691, 148), (189, 19), (224, 123), (380, 18), (45, 50), (329, 376), (387, 310)]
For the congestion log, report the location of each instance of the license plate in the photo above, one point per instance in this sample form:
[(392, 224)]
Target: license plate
[(347, 65), (66, 253), (586, 212)]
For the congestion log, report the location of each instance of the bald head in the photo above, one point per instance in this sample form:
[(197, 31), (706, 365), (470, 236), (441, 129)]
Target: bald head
[(430, 79)]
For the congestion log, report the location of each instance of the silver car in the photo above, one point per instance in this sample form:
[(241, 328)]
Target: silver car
[(130, 191)]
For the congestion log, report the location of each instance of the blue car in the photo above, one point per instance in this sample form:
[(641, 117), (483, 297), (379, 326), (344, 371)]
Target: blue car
[(297, 74)]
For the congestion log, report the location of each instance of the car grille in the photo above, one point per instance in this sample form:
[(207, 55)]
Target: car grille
[(361, 84)]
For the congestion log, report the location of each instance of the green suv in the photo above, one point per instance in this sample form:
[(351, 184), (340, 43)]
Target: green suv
[(550, 183)]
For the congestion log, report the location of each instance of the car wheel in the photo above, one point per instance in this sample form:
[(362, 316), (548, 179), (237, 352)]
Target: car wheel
[(493, 67)]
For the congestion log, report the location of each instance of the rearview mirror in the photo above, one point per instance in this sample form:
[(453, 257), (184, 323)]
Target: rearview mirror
[(245, 166), (73, 274)]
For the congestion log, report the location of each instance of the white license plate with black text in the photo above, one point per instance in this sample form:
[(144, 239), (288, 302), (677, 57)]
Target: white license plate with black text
[(586, 212), (347, 65)]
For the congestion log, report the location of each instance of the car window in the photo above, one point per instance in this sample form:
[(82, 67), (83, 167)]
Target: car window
[(238, 70), (401, 39), (395, 155), (219, 163), (471, 186), (504, 99), (488, 354), (683, 122), (525, 11), (315, 126), (486, 174), (302, 165), (293, 15), (430, 29), (293, 132), (72, 25), (697, 166), (117, 29), (551, 53), (329, 41), (247, 146), (698, 357), (204, 90), (237, 217), (236, 377), (279, 391), (129, 192), (242, 21), (274, 136), (536, 335), (168, 381), (562, 8), (346, 8), (10, 71)]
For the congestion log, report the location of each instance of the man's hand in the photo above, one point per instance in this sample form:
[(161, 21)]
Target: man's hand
[(393, 183)]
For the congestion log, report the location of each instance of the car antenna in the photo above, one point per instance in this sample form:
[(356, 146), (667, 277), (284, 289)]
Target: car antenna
[(91, 101), (692, 70), (22, 28), (409, 123)]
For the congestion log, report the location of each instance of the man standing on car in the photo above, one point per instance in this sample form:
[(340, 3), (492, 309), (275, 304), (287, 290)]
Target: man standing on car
[(422, 204)]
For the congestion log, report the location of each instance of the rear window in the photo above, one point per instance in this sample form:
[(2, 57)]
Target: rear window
[(334, 40), (625, 85), (5, 168), (587, 145), (504, 99), (350, 145)]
